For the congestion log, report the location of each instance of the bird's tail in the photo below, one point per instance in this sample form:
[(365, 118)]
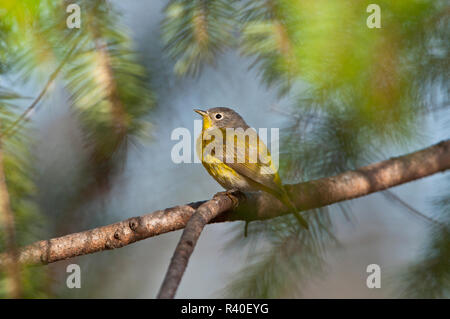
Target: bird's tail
[(287, 201)]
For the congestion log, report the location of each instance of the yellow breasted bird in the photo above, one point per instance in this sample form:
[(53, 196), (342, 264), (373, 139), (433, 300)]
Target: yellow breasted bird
[(244, 164)]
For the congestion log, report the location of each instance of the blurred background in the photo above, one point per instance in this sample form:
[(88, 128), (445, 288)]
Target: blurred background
[(86, 117)]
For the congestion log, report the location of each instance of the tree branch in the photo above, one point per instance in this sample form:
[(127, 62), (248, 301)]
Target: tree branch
[(202, 216), (255, 206)]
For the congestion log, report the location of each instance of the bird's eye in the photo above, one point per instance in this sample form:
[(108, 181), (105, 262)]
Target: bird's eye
[(218, 116)]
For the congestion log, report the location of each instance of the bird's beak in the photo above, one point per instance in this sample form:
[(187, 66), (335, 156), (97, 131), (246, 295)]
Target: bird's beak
[(201, 112)]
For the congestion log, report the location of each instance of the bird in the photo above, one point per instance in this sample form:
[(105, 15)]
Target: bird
[(236, 163)]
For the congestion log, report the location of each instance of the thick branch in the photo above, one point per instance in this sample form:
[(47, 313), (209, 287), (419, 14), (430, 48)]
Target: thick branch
[(202, 216), (257, 206)]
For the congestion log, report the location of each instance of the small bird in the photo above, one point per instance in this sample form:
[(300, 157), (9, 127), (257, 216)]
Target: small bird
[(232, 164)]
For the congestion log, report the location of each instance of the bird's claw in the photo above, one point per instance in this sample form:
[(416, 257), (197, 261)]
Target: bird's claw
[(232, 194)]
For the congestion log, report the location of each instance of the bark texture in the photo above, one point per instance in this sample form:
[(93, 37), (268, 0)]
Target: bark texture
[(255, 206), (202, 216)]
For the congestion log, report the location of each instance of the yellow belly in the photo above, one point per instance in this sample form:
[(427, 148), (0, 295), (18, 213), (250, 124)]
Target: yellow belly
[(225, 175)]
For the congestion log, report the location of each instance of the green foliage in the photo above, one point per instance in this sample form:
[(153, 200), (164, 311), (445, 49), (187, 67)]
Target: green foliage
[(290, 258), (108, 87), (19, 179), (196, 31), (356, 92), (108, 90), (429, 277)]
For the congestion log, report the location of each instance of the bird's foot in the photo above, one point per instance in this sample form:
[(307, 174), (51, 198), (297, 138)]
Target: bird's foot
[(232, 194)]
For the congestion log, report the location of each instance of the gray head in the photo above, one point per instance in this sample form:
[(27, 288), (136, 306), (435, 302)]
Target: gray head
[(222, 117)]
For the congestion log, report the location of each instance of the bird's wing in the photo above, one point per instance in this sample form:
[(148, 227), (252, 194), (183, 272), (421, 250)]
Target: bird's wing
[(252, 160)]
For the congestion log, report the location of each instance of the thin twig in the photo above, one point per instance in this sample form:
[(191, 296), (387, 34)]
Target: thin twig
[(9, 131), (413, 210)]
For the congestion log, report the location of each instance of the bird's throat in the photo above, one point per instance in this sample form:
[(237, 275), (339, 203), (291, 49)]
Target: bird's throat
[(206, 122)]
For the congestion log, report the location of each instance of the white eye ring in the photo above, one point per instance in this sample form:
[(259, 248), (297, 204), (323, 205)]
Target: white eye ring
[(218, 116)]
